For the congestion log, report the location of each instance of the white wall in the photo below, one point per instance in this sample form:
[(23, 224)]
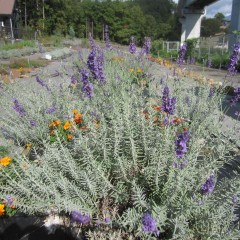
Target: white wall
[(191, 26)]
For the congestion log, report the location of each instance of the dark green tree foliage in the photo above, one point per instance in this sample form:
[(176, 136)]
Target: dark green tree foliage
[(154, 18), (211, 26)]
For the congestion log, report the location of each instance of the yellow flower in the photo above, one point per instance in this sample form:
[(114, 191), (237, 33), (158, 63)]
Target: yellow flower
[(28, 145), (75, 111), (67, 125), (2, 211), (139, 70), (5, 161), (52, 124), (130, 70)]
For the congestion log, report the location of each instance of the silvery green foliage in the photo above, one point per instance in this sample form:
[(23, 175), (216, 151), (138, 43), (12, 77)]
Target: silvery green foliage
[(7, 54), (127, 166), (59, 53)]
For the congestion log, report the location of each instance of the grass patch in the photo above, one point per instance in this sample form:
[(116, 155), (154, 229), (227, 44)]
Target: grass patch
[(22, 63), (18, 45)]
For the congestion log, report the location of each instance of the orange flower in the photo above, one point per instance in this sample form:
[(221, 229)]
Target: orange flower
[(57, 123), (177, 120), (157, 108), (69, 137), (67, 125), (5, 161), (78, 118), (54, 123), (184, 129), (2, 211), (75, 111)]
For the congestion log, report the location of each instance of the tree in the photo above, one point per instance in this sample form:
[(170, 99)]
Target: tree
[(220, 17), (209, 27)]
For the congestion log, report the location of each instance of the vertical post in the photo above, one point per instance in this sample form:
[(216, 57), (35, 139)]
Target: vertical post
[(92, 28), (223, 43), (86, 28), (103, 33), (209, 47), (12, 36), (43, 14), (25, 12)]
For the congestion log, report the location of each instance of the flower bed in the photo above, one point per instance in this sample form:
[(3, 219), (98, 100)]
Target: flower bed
[(115, 161)]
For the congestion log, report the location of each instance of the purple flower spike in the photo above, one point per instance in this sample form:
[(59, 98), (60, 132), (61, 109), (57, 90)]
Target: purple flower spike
[(40, 81), (132, 47), (211, 93), (19, 108), (149, 224), (181, 144), (88, 90), (181, 54), (236, 97), (84, 76), (51, 110), (168, 104), (87, 86), (234, 59), (146, 46), (100, 61), (208, 186), (80, 218), (106, 37)]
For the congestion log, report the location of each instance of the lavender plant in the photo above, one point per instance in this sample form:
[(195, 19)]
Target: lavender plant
[(116, 176), (132, 47), (182, 53), (234, 59)]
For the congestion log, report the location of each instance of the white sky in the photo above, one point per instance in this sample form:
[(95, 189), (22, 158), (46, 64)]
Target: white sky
[(223, 6)]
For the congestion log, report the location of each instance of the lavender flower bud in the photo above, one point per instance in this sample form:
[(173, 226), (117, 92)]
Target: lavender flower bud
[(168, 104), (19, 108), (181, 144), (80, 218), (208, 186), (149, 224)]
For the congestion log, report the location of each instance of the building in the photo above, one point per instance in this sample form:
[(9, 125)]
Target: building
[(8, 18)]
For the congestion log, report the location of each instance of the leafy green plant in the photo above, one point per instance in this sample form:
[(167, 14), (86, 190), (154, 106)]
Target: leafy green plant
[(191, 45)]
